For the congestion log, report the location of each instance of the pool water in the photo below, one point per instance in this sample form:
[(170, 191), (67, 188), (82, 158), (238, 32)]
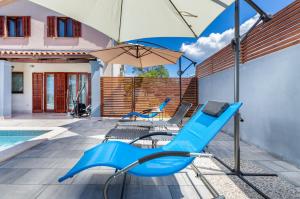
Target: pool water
[(9, 138)]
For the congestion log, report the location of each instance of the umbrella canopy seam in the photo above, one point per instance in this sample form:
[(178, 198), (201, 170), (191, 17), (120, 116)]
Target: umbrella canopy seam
[(120, 25)]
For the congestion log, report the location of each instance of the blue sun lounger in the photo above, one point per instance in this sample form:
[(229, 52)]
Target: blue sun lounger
[(150, 112), (188, 144)]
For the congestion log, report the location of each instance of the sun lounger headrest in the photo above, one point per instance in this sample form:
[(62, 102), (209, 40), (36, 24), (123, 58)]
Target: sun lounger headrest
[(214, 108)]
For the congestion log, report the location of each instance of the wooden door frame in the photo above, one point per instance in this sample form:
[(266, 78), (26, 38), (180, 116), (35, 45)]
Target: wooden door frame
[(64, 94), (66, 87), (42, 95), (77, 85)]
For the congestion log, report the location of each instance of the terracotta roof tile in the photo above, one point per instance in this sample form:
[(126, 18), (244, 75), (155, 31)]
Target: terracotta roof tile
[(40, 53)]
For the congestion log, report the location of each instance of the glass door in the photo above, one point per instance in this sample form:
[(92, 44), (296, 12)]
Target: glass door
[(49, 92), (72, 90), (83, 88)]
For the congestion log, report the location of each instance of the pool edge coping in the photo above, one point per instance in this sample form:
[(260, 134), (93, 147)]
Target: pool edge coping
[(24, 146)]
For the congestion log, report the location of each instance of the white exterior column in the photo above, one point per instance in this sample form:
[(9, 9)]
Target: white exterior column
[(95, 89), (5, 89)]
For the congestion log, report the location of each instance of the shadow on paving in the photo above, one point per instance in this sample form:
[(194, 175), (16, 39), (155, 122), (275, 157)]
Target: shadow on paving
[(34, 174)]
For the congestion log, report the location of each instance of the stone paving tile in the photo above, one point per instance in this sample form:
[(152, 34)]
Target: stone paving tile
[(293, 177), (287, 166), (77, 191), (40, 163), (80, 146), (146, 192), (20, 191), (257, 156), (181, 178), (189, 192), (42, 177), (271, 165), (10, 175), (52, 153)]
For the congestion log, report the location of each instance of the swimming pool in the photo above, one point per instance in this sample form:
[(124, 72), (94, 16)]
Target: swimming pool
[(10, 138)]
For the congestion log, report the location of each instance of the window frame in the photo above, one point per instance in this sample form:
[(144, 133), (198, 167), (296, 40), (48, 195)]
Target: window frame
[(17, 19), (66, 29), (17, 92)]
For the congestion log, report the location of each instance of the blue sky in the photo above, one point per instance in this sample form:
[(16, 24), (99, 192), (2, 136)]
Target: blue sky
[(224, 22)]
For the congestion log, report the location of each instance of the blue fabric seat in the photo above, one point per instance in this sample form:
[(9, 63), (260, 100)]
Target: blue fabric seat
[(193, 138), (151, 114)]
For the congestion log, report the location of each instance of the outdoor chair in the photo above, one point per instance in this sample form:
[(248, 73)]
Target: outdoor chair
[(148, 113), (174, 121), (139, 132), (188, 144)]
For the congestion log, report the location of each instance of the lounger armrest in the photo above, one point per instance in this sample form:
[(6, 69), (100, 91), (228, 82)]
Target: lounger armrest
[(152, 134), (173, 153), (164, 154)]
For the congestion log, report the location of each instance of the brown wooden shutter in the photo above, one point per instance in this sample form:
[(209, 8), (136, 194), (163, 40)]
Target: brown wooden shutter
[(60, 93), (2, 26), (76, 28), (37, 92), (26, 26), (51, 26)]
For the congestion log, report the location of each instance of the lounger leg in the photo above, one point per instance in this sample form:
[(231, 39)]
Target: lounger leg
[(154, 144), (211, 189), (118, 173), (123, 186)]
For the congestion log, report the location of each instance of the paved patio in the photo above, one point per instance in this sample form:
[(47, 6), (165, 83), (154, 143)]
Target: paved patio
[(34, 173)]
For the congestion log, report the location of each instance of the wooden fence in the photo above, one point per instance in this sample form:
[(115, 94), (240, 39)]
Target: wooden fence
[(120, 95), (282, 31)]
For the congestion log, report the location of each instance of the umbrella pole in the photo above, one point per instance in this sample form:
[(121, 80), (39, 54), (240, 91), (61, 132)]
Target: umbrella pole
[(180, 80), (237, 118), (237, 87)]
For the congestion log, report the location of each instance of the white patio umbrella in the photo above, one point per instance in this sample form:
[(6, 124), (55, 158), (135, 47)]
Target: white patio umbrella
[(125, 20), (137, 55)]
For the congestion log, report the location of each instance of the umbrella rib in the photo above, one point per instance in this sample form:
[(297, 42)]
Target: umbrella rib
[(144, 53), (125, 51), (168, 55), (163, 57), (186, 23), (224, 5)]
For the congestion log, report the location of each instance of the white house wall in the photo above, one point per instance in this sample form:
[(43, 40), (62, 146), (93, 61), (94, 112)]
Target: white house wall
[(270, 92), (23, 102), (91, 38)]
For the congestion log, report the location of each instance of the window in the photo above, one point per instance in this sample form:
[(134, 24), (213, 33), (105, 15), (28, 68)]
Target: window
[(18, 26), (63, 27), (17, 82)]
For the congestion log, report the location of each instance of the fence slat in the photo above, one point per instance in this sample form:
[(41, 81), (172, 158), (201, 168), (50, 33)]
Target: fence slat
[(121, 95), (279, 33)]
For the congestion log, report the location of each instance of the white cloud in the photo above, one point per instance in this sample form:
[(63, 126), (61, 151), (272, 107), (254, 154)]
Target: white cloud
[(206, 46)]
